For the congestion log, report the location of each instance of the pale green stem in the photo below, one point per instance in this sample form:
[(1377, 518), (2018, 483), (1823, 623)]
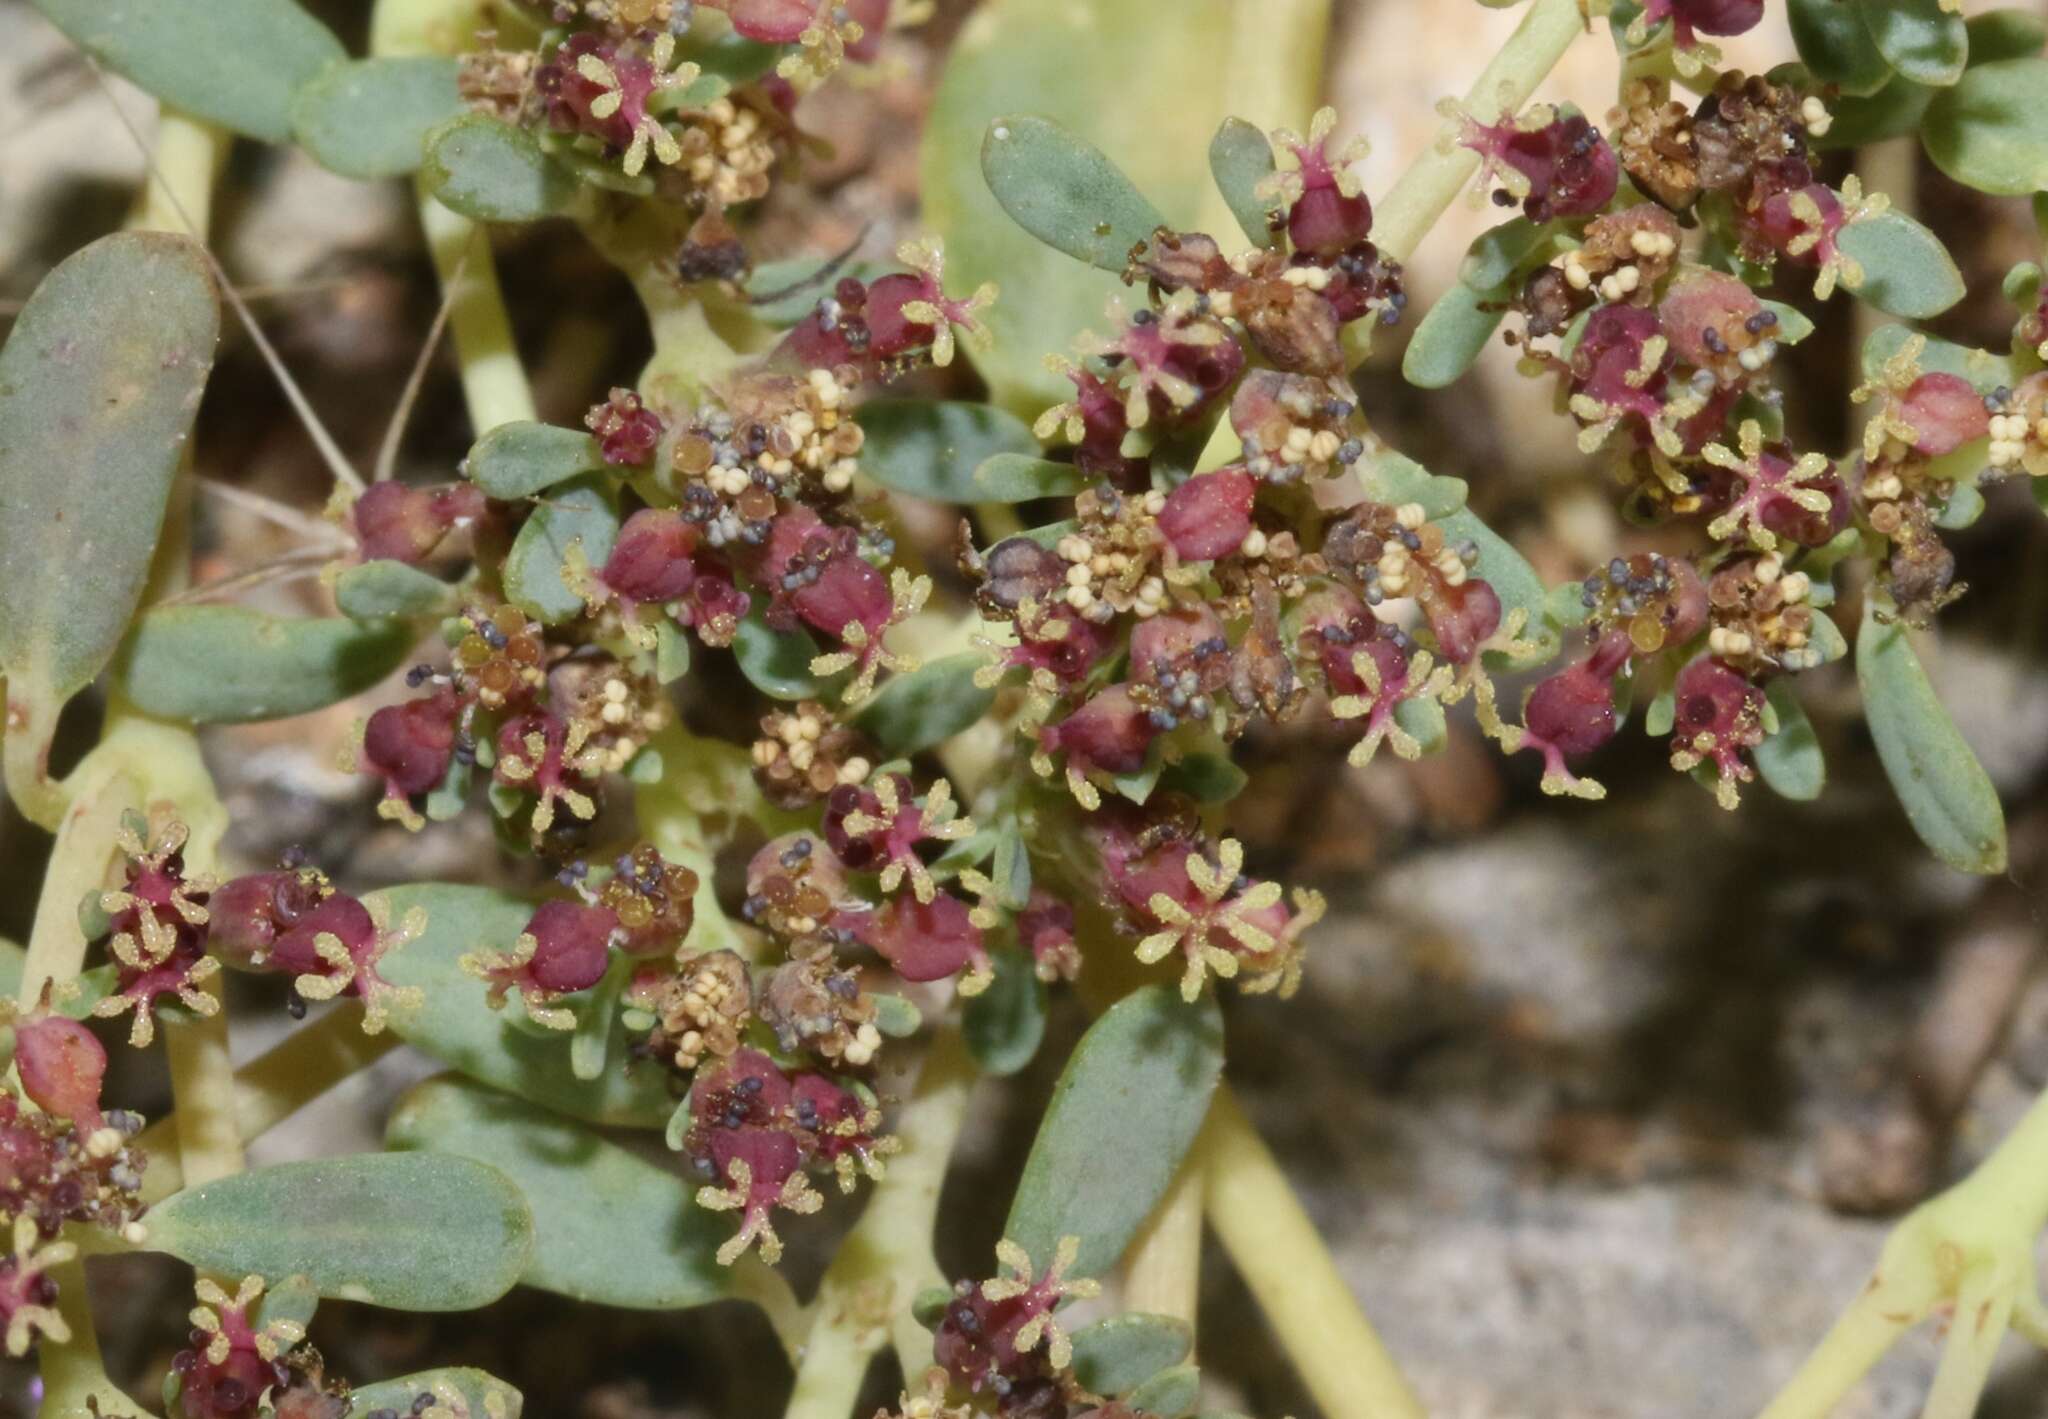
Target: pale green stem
[(1291, 1275), (864, 1301)]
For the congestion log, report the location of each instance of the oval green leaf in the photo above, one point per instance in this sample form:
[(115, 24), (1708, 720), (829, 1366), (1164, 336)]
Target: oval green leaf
[(1113, 1357), (607, 1226), (388, 588), (453, 1023), (1985, 371), (1922, 40), (485, 168), (99, 382), (931, 448), (369, 118), (1451, 337), (927, 706), (1065, 191), (569, 535), (1498, 252), (1998, 35), (414, 1232), (520, 459), (1005, 1024), (1395, 478), (1170, 1394), (1123, 1115), (777, 663), (1990, 131), (1020, 477), (1944, 790), (1790, 760), (1892, 112), (1906, 270), (232, 62), (1241, 158), (1836, 46), (781, 293), (1512, 579), (234, 665), (486, 1396)]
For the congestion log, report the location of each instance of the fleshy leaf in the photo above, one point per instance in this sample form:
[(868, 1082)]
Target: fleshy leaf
[(235, 665), (1892, 112), (1985, 371), (607, 1226), (1922, 40), (486, 1396), (485, 168), (1906, 270), (1005, 1024), (1113, 1357), (1836, 46), (1020, 477), (1423, 718), (931, 448), (388, 588), (1170, 1394), (1451, 336), (411, 1232), (369, 118), (1512, 579), (927, 706), (522, 459), (1790, 758), (453, 1022), (232, 62), (1206, 778), (575, 523), (1065, 191), (1395, 478), (777, 663), (1990, 131), (1498, 252), (1123, 1115), (1944, 790), (1240, 158), (99, 382), (784, 292)]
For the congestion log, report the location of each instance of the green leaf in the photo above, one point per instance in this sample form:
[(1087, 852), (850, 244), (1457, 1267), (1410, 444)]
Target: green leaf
[(388, 588), (1837, 46), (455, 1025), (234, 665), (1944, 790), (411, 1232), (784, 292), (1395, 478), (931, 448), (607, 1226), (1998, 35), (1020, 477), (1109, 72), (1169, 1394), (1924, 42), (590, 1042), (369, 118), (1790, 759), (1906, 270), (485, 1396), (232, 62), (896, 1017), (1005, 1024), (99, 381), (1065, 191), (731, 57), (1240, 158), (1124, 1113), (1964, 506), (1498, 252), (1512, 579), (1990, 131), (485, 168), (777, 663), (1985, 371), (1451, 337), (1423, 718), (1892, 112), (927, 706), (573, 528), (671, 652), (1206, 778), (520, 459), (1113, 1357), (1792, 326)]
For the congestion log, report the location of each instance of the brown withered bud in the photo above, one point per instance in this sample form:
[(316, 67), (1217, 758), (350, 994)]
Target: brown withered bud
[(1293, 326), (1744, 122), (1015, 570), (712, 251), (1549, 302), (814, 1004), (702, 1010), (1921, 571), (1653, 136), (1180, 261)]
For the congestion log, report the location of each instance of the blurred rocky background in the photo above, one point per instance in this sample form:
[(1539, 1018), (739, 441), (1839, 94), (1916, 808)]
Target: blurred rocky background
[(1603, 1108)]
